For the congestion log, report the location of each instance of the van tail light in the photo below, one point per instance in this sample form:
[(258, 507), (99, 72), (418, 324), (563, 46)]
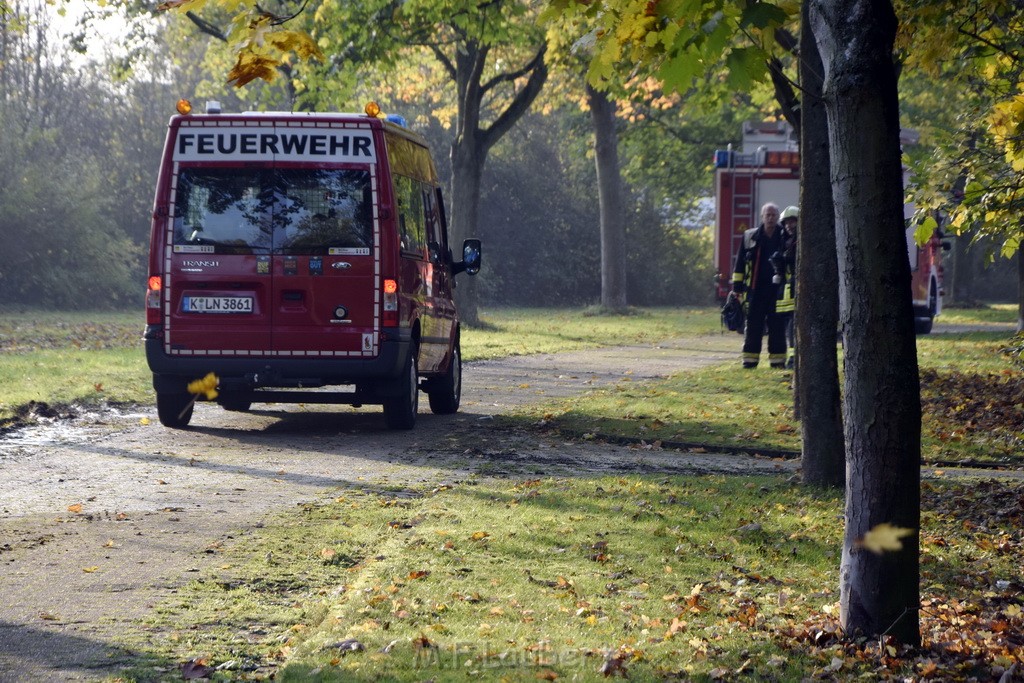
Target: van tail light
[(153, 300), (390, 302)]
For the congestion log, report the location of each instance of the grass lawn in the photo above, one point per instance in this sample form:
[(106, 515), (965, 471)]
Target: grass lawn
[(657, 578)]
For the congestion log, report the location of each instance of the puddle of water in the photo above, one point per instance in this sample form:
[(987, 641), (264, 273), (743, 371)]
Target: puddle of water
[(75, 426)]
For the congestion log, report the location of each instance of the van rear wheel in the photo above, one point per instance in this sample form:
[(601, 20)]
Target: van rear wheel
[(445, 393), (400, 411), (174, 410)]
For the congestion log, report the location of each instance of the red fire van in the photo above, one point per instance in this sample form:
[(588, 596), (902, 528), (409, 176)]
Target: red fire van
[(301, 257)]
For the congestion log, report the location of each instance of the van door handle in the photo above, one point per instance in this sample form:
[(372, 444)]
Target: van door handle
[(292, 296), (341, 265)]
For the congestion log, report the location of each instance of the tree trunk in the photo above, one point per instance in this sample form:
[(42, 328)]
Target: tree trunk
[(473, 141), (879, 594), (817, 282), (609, 190), (467, 170)]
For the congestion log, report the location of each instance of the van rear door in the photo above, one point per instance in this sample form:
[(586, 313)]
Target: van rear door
[(218, 256), (326, 261)]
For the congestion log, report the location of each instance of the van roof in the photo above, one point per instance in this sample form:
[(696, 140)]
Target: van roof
[(327, 116)]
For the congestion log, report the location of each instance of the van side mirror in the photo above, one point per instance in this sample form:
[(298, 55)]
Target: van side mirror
[(471, 258)]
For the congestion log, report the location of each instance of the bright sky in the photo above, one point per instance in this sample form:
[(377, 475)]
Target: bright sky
[(104, 36)]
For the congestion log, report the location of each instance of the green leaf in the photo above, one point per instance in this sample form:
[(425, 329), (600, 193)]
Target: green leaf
[(924, 230), (745, 65), (762, 15), (973, 193), (678, 73)]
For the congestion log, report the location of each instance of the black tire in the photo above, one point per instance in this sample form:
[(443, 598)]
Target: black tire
[(445, 393), (400, 411), (174, 410), (236, 406)]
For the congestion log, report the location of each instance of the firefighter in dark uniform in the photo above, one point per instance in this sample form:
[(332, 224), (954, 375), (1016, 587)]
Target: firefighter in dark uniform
[(787, 290), (755, 276)]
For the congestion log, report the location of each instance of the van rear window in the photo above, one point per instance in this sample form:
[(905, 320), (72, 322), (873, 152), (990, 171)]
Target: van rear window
[(318, 210), (289, 211), (223, 208)]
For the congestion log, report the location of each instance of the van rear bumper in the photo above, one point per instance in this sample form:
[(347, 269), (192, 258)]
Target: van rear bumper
[(172, 373)]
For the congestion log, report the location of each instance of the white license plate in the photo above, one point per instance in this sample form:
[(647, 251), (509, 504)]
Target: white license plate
[(218, 304)]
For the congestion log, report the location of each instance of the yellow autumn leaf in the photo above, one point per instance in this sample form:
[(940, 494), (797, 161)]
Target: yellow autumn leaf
[(206, 386), (76, 508), (479, 535), (295, 41), (884, 537), (90, 570), (251, 66)]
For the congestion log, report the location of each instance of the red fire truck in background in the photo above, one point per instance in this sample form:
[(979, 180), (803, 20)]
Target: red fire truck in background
[(767, 169)]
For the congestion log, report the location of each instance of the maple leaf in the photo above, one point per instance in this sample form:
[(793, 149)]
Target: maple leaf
[(614, 665), (250, 66), (206, 386), (422, 643), (195, 668), (884, 537)]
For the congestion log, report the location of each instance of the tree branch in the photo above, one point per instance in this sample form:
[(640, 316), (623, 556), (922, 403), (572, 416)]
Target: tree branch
[(523, 99), (446, 63), (785, 94), (206, 27), (514, 75)]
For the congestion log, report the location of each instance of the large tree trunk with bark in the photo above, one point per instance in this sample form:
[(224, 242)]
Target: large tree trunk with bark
[(879, 594), (467, 170), (473, 140), (817, 281), (609, 189)]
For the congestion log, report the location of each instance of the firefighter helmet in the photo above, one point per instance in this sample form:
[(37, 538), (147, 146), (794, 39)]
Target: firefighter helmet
[(790, 212)]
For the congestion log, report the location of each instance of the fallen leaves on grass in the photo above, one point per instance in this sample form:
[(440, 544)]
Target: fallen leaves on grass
[(959, 405), (195, 669)]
